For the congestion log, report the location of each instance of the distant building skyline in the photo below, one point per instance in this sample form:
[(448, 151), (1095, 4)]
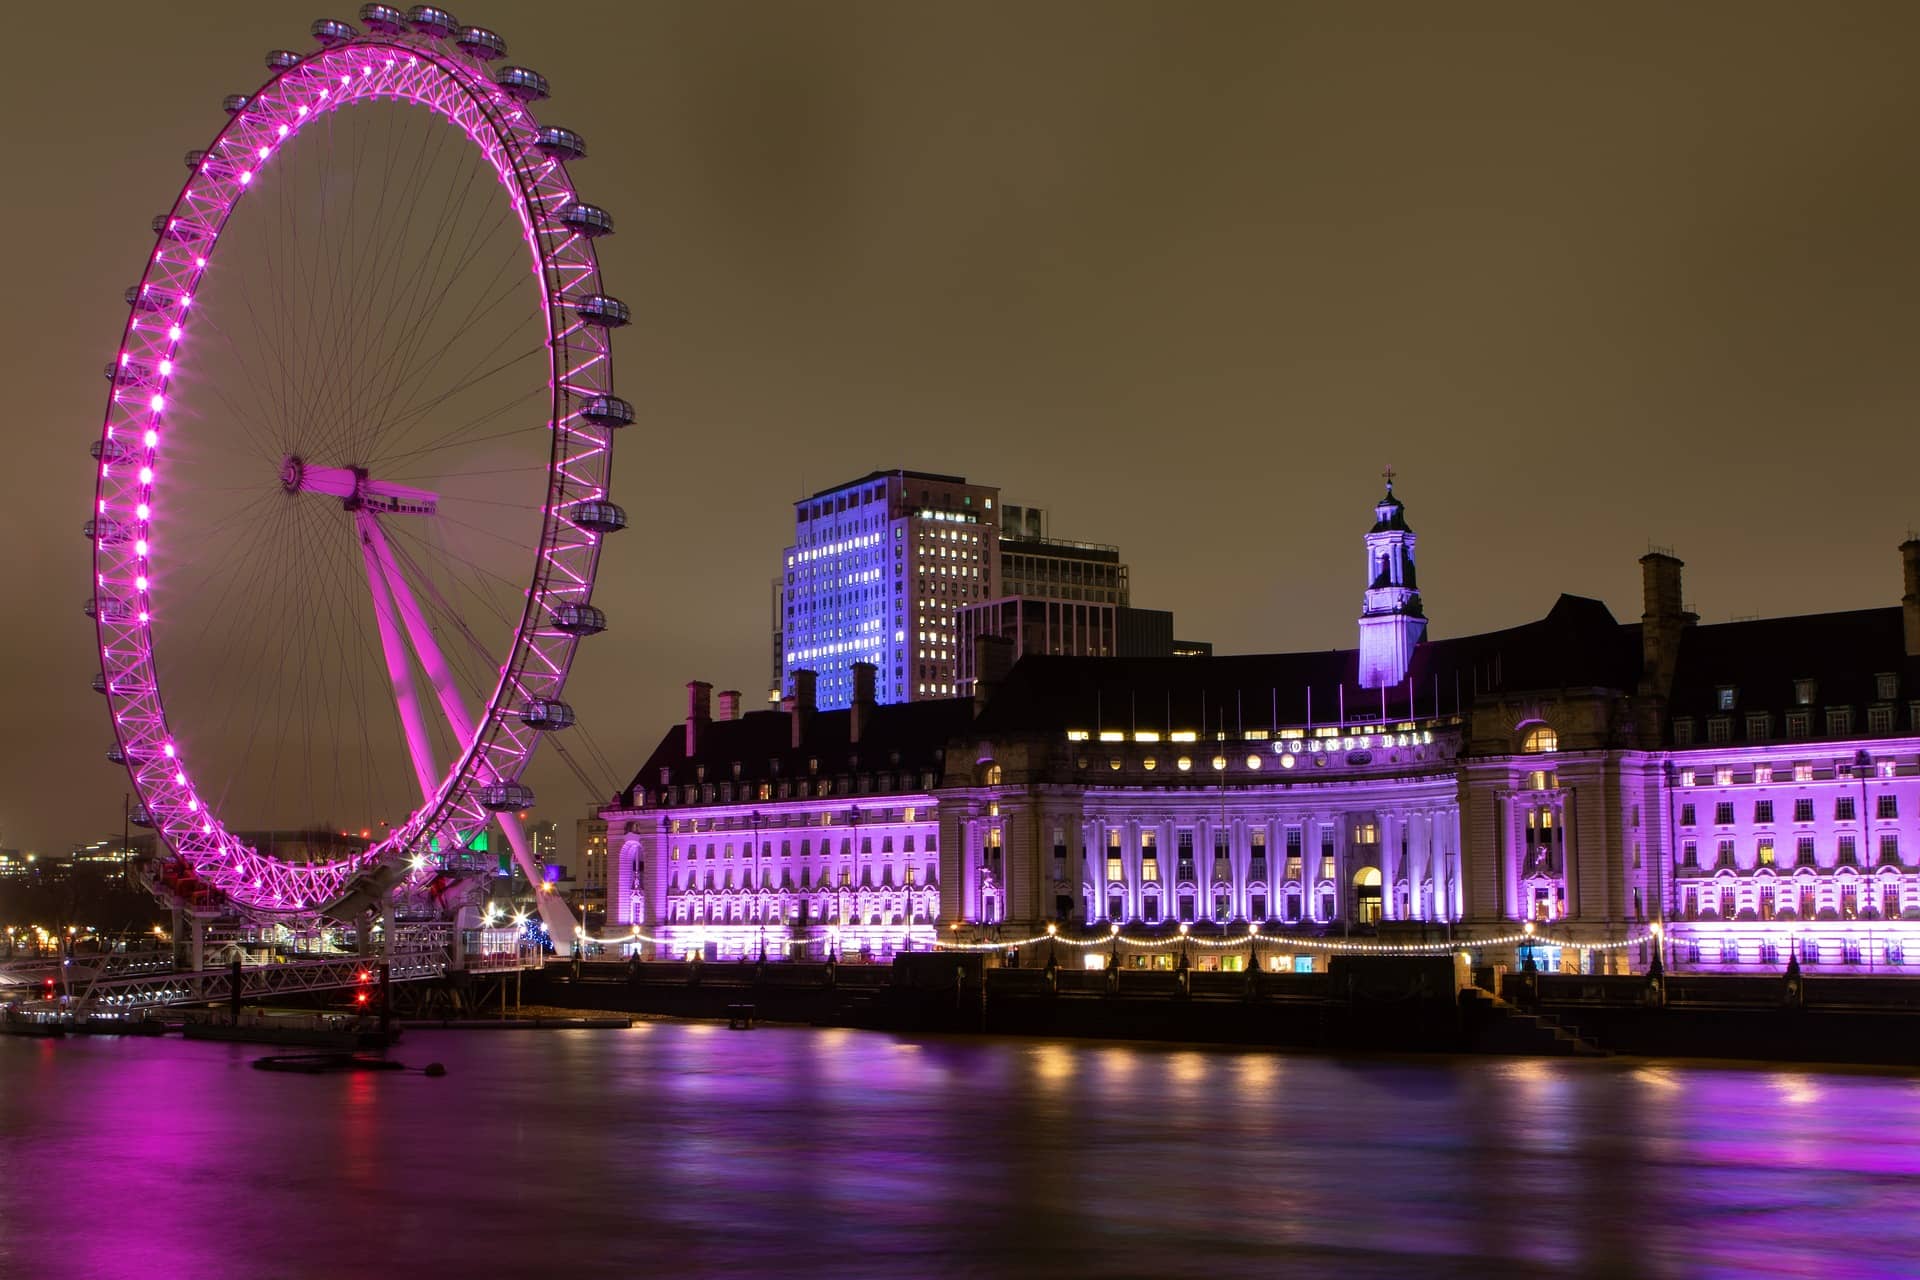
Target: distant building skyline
[(877, 571), (906, 569)]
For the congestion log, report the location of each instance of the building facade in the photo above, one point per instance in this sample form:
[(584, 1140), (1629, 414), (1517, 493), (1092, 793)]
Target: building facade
[(1061, 597), (1740, 794), (878, 572), (904, 570), (590, 848)]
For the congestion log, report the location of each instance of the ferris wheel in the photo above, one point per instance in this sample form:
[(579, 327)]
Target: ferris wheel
[(352, 479)]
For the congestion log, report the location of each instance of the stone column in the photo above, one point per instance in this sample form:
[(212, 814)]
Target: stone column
[(1570, 849), (1504, 845), (1391, 825)]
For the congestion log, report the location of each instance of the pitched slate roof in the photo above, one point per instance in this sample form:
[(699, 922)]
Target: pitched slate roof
[(902, 737), (1762, 659), (1577, 644)]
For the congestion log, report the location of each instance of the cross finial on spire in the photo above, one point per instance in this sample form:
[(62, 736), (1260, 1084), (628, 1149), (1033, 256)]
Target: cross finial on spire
[(1388, 474)]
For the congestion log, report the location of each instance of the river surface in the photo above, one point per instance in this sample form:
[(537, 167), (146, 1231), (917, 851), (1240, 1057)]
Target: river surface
[(688, 1150)]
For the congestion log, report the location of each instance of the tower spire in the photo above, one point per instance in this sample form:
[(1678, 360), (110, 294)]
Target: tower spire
[(1392, 618)]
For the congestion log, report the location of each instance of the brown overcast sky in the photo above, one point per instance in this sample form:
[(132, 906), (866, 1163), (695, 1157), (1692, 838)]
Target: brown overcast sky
[(1188, 274)]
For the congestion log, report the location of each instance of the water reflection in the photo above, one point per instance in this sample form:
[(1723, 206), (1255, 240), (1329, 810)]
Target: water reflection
[(693, 1150)]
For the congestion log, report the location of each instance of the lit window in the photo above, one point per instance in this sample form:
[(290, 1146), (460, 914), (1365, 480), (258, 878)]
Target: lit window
[(1540, 739)]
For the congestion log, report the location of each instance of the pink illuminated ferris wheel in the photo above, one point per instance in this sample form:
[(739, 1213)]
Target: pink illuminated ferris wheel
[(352, 480)]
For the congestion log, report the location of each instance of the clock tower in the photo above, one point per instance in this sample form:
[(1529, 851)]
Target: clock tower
[(1392, 621)]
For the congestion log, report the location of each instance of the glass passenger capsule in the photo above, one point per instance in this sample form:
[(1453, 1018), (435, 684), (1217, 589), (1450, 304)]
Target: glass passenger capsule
[(518, 82), (481, 43), (504, 797), (560, 144), (601, 310), (384, 18), (146, 298), (282, 60), (106, 530), (429, 21), (331, 31), (598, 515), (548, 715), (579, 619), (607, 411), (588, 220)]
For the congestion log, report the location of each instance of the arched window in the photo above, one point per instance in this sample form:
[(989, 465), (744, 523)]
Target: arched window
[(1540, 738)]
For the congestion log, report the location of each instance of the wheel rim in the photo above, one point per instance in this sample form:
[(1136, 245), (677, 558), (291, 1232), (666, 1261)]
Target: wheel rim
[(146, 432)]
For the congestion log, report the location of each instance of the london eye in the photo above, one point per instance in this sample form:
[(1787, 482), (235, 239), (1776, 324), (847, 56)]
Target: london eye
[(352, 478)]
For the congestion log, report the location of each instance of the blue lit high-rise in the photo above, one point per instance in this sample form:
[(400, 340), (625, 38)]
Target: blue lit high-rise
[(878, 571)]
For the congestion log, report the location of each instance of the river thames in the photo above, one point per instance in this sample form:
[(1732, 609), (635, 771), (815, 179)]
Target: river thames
[(690, 1150)]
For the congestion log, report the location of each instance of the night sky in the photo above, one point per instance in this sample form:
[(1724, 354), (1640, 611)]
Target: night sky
[(1188, 275)]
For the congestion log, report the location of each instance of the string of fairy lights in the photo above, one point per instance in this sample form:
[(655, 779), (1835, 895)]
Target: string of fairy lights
[(1528, 936), (1254, 934)]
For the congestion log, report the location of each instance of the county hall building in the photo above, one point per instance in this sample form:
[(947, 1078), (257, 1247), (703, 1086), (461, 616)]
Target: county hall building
[(1753, 787)]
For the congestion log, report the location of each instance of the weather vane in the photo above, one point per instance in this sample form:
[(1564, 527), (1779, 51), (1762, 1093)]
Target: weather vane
[(1387, 472)]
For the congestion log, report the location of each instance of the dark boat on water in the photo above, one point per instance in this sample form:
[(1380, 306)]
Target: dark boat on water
[(314, 1064), (326, 1031), (14, 1023)]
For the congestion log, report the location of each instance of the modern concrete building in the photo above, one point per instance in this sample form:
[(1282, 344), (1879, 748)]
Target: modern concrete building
[(906, 569), (1740, 793), (878, 572)]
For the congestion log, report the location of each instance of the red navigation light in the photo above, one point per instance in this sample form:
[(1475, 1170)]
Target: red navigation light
[(361, 998), (366, 976)]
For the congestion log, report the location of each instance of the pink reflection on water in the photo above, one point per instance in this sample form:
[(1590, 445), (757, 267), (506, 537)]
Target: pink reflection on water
[(693, 1149)]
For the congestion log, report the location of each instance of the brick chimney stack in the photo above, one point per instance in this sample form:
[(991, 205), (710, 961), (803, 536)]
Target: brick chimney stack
[(729, 704), (992, 660), (1910, 599), (699, 713), (861, 710), (1664, 620), (800, 704)]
